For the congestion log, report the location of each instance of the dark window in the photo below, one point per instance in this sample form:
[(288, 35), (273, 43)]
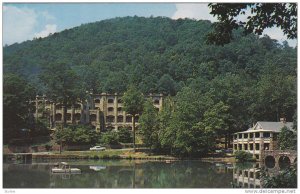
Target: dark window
[(251, 135), (93, 118), (68, 117), (266, 134), (240, 136), (97, 101), (245, 135), (251, 146), (120, 109), (120, 119), (58, 117), (257, 146), (128, 119), (256, 135), (110, 109), (246, 146), (156, 101), (110, 119), (110, 100), (77, 116)]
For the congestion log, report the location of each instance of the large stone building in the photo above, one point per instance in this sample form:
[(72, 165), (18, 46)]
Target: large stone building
[(103, 111), (263, 136)]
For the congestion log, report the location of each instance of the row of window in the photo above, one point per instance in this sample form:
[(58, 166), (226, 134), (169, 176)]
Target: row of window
[(251, 135), (111, 119), (266, 146), (110, 101)]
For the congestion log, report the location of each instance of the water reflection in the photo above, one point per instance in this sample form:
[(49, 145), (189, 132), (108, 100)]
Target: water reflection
[(247, 175), (120, 174)]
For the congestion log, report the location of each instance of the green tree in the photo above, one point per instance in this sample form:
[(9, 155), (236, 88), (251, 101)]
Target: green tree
[(17, 111), (263, 15), (110, 138), (287, 139), (217, 119), (125, 135), (62, 85), (149, 125), (133, 101)]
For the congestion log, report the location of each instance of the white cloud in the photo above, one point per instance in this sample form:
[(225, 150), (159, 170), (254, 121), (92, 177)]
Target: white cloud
[(21, 24), (276, 33), (49, 28), (47, 16), (18, 24), (199, 11)]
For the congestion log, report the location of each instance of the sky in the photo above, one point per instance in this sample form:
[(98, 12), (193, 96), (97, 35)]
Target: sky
[(25, 21)]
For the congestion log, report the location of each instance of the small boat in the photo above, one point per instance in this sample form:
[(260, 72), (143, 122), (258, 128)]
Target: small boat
[(64, 167)]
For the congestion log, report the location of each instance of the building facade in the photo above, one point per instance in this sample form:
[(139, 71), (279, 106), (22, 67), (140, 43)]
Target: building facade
[(263, 136), (103, 111)]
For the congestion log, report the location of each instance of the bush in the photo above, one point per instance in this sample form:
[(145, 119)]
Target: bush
[(125, 135), (242, 156), (285, 179), (110, 138)]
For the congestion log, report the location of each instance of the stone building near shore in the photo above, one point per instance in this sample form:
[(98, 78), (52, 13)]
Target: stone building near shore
[(103, 111), (263, 136)]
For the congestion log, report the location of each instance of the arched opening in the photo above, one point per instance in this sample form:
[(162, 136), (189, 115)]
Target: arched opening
[(92, 117), (110, 101), (68, 116), (110, 109), (128, 119), (77, 116), (270, 162), (284, 162), (58, 117), (120, 119), (119, 109), (97, 101), (156, 101), (110, 119)]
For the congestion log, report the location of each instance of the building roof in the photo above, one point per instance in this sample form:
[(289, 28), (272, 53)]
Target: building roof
[(268, 126), (272, 126)]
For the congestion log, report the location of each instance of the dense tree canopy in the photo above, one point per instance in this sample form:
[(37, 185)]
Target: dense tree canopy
[(263, 15), (250, 79)]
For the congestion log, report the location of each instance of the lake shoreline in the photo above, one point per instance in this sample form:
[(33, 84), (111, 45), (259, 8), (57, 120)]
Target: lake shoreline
[(116, 154)]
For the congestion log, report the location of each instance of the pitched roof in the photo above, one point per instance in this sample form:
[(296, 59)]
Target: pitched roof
[(272, 126)]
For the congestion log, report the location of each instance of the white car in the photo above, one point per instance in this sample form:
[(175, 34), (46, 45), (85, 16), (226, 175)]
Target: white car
[(97, 148)]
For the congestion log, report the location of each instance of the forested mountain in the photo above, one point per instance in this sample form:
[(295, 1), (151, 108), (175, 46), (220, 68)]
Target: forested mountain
[(254, 77)]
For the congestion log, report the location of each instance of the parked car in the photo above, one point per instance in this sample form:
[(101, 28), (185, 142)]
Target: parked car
[(97, 148)]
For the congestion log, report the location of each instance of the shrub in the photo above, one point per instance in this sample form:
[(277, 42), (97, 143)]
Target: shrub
[(110, 138), (242, 156), (125, 135)]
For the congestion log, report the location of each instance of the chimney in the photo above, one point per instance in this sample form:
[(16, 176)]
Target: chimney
[(283, 120)]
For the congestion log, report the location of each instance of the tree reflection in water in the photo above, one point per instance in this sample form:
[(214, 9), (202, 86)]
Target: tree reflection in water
[(124, 174)]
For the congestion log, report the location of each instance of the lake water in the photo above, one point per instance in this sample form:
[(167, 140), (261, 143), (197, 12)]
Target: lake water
[(131, 174)]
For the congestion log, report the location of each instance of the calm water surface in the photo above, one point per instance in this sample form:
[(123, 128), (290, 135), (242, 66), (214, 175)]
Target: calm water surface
[(125, 174)]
